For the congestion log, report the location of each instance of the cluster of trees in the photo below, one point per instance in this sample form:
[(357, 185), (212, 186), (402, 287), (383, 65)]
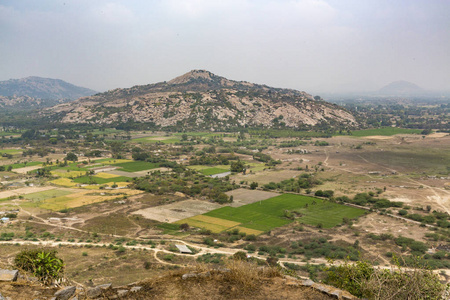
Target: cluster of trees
[(406, 116), (212, 159), (370, 199), (187, 182), (304, 181)]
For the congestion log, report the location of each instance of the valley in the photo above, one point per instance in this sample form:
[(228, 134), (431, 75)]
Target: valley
[(206, 173), (123, 204)]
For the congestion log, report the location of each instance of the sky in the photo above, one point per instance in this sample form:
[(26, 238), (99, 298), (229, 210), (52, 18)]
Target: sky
[(309, 45)]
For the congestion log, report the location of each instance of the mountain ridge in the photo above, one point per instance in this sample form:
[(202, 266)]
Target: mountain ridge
[(401, 87), (43, 88), (201, 99)]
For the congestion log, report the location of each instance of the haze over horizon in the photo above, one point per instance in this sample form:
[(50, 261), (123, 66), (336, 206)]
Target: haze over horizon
[(311, 45)]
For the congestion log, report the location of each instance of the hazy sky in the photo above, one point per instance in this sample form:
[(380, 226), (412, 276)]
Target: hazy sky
[(311, 45)]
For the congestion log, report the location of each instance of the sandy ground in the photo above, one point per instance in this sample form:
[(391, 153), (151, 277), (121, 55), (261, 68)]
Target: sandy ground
[(379, 224), (25, 170), (177, 211), (245, 196), (24, 191), (378, 137), (437, 135)]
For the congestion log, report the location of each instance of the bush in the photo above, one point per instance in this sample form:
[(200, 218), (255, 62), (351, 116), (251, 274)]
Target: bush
[(402, 212), (240, 255), (42, 263), (363, 280)]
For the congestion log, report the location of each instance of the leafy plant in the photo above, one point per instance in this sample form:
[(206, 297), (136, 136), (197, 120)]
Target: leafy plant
[(42, 263)]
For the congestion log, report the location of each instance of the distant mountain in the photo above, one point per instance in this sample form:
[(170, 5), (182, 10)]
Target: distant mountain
[(401, 88), (201, 100), (39, 92)]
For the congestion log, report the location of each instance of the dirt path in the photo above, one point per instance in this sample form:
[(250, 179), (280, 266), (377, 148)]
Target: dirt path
[(203, 250), (325, 162), (439, 200), (443, 203)]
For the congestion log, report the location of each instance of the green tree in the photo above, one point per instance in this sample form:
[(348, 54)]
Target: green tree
[(71, 156), (253, 185), (237, 166)]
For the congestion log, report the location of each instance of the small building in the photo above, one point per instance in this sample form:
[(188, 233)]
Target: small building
[(184, 249), (5, 220)]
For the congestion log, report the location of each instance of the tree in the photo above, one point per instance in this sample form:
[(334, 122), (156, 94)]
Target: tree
[(253, 185), (71, 156), (237, 166), (184, 226)]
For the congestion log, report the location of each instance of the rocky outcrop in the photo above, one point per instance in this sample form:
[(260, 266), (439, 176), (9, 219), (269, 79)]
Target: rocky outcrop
[(205, 284), (202, 100), (8, 275)]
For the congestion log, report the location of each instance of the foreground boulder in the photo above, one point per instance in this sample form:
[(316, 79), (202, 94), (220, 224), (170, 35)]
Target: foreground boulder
[(8, 275), (65, 293)]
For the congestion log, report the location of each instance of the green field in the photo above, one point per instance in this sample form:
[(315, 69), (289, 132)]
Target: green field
[(6, 133), (99, 180), (10, 151), (268, 214), (39, 196), (22, 165), (386, 131), (192, 133), (213, 171), (70, 167), (135, 166)]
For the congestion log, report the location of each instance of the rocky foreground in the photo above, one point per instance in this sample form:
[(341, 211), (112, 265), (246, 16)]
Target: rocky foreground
[(240, 281)]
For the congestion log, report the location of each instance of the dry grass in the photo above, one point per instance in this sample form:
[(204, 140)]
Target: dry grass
[(248, 230), (106, 175), (64, 182), (248, 275)]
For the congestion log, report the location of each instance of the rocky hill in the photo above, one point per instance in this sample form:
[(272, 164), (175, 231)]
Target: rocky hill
[(202, 100), (11, 103), (401, 88), (38, 92)]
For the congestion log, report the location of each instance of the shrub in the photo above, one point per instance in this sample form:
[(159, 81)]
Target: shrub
[(363, 280), (402, 212), (240, 255), (42, 263)]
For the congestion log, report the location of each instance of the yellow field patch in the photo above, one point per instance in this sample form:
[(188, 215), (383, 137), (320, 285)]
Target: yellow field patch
[(68, 174), (64, 182), (216, 225), (85, 197), (197, 223), (248, 230), (106, 175), (217, 221)]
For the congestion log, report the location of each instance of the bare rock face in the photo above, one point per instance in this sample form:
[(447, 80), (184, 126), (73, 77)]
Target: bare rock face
[(65, 293), (202, 100), (8, 275)]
